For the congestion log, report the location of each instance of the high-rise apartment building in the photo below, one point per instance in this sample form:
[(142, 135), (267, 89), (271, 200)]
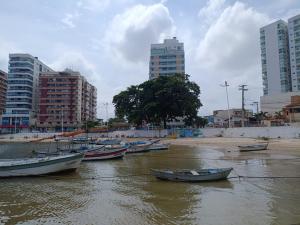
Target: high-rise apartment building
[(22, 92), (89, 101), (167, 58), (294, 43), (3, 88), (66, 100), (275, 60)]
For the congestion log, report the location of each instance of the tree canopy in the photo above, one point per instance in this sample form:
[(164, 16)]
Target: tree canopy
[(159, 100)]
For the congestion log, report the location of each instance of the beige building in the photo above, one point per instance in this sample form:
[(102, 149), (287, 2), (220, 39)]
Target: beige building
[(292, 111), (221, 117), (66, 100), (274, 103), (167, 58)]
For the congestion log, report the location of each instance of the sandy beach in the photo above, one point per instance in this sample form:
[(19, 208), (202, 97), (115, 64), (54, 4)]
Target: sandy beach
[(229, 145)]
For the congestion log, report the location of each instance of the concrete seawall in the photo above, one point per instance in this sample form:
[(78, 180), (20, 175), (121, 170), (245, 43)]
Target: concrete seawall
[(253, 132)]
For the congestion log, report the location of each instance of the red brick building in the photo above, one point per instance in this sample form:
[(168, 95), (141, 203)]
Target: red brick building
[(66, 101)]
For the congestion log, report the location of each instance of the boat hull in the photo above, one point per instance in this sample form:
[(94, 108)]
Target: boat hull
[(46, 165), (156, 147), (220, 174), (104, 155), (257, 147), (138, 149)]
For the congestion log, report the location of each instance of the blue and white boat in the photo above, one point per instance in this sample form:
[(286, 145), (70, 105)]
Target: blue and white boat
[(186, 175), (40, 165), (138, 146)]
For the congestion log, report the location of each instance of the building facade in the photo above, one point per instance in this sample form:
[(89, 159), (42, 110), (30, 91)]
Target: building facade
[(22, 92), (167, 58), (3, 89), (89, 101), (294, 44), (275, 56), (66, 101), (236, 116)]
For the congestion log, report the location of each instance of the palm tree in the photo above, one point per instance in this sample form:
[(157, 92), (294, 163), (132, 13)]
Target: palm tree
[(278, 115)]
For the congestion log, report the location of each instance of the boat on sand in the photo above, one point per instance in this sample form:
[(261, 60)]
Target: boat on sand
[(254, 147)]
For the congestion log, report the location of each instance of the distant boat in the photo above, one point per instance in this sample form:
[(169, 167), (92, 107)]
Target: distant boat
[(254, 147), (138, 146), (108, 142), (80, 140), (40, 165), (192, 175), (105, 153), (155, 147)]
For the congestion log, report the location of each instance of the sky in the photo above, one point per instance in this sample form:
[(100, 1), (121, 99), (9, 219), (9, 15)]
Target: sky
[(108, 41)]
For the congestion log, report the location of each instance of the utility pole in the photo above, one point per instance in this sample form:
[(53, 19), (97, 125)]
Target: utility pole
[(226, 85), (243, 89), (106, 115), (62, 119)]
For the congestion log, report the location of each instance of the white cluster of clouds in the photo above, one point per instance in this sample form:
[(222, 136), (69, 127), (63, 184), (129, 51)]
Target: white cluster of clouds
[(227, 49), (130, 33)]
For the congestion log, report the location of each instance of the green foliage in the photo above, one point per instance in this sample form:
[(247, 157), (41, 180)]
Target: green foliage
[(90, 124), (159, 100), (196, 121)]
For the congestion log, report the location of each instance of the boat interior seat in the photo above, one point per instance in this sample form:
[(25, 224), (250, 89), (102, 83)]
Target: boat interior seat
[(194, 172)]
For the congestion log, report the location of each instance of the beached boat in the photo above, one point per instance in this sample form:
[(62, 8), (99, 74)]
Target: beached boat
[(108, 142), (192, 175), (105, 153), (80, 140), (40, 165), (138, 146), (254, 147), (155, 147)]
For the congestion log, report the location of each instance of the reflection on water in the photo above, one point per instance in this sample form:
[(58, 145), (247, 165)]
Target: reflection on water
[(105, 193)]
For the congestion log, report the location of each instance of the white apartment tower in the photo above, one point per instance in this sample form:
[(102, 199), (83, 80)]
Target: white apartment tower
[(294, 42), (22, 91), (275, 60), (167, 58)]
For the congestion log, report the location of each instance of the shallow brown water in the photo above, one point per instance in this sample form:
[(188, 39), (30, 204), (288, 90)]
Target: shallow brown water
[(122, 192)]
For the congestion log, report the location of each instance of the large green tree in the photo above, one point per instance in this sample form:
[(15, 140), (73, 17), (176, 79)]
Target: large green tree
[(159, 100)]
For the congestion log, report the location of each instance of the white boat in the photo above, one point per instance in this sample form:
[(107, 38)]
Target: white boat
[(254, 147), (155, 147), (40, 165), (186, 175), (138, 147), (105, 153)]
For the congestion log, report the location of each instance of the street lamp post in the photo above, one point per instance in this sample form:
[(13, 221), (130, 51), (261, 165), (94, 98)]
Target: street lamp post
[(226, 85)]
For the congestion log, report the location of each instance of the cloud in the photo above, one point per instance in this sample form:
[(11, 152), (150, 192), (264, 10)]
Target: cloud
[(77, 62), (130, 34), (211, 11), (231, 44), (6, 47), (230, 51), (69, 18), (94, 5)]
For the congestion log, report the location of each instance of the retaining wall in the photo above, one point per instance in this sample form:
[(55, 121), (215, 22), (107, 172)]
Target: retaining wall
[(253, 132)]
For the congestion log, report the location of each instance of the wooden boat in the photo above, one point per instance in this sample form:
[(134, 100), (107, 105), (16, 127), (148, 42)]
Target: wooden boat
[(192, 175), (254, 147), (155, 147), (40, 165), (105, 153), (138, 147)]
